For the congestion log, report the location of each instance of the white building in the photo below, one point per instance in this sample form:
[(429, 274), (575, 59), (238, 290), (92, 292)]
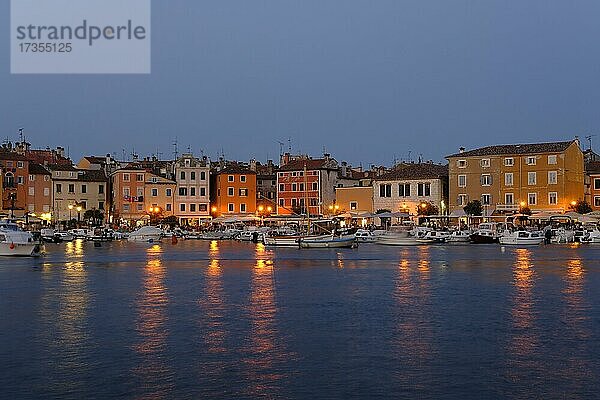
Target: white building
[(192, 196)]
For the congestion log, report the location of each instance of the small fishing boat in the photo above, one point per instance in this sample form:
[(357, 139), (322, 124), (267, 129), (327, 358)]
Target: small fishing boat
[(592, 237), (486, 233), (327, 242), (15, 242), (147, 234), (364, 236), (435, 237), (522, 238), (401, 238), (459, 237)]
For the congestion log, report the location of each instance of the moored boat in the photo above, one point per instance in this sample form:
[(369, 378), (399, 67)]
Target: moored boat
[(486, 233), (327, 241), (15, 242), (146, 234), (522, 238)]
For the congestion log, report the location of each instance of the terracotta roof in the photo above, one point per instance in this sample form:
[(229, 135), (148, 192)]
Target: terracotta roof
[(61, 167), (11, 155), (236, 169), (509, 149), (38, 169), (310, 163), (593, 167), (92, 176), (415, 171)]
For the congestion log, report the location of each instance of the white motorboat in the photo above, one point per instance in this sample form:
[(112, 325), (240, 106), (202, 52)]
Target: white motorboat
[(282, 241), (147, 234), (486, 233), (522, 238), (435, 237), (81, 233), (459, 237), (364, 236), (562, 235), (64, 236), (16, 242), (592, 237), (327, 242), (401, 238)]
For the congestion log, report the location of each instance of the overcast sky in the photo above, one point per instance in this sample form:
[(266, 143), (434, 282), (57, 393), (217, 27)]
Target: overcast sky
[(369, 81)]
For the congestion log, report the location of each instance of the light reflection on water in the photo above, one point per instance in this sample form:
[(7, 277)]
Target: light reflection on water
[(153, 372), (255, 321)]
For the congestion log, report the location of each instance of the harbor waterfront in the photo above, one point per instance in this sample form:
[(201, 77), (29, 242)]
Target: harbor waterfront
[(228, 319)]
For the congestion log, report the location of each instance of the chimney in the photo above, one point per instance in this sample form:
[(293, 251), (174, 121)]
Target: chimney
[(253, 165), (285, 159), (461, 150)]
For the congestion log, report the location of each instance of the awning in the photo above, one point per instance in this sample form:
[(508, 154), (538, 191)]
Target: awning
[(458, 213)]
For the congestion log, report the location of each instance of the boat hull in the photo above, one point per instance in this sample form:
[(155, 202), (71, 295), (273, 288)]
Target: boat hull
[(20, 250), (509, 241), (327, 243), (483, 239)]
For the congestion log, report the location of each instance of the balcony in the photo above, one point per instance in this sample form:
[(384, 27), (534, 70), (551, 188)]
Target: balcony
[(507, 207)]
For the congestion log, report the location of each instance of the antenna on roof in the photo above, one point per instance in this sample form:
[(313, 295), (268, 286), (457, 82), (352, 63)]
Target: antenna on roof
[(175, 150), (21, 136), (589, 139), (290, 145), (281, 144)]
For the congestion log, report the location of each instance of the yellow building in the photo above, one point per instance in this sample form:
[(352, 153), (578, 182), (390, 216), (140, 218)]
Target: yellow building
[(355, 199), (541, 176)]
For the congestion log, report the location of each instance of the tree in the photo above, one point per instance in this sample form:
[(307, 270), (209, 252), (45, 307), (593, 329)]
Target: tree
[(581, 207), (94, 216), (473, 208), (427, 208)]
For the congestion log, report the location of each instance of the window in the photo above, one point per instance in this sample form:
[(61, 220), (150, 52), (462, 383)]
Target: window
[(83, 188), (154, 192), (596, 183), (139, 177), (71, 174), (461, 163), (140, 207), (154, 179), (281, 202), (9, 180), (168, 207), (243, 192), (182, 207), (32, 191), (126, 207), (100, 205), (202, 207), (192, 208), (243, 178), (552, 178), (58, 188), (192, 191), (315, 186), (424, 189), (183, 191), (552, 159), (32, 178), (508, 179), (46, 178), (294, 187), (169, 192), (230, 207), (553, 198), (126, 178), (202, 176), (202, 191), (46, 192), (230, 192), (20, 180), (100, 189), (531, 178), (509, 198), (353, 205), (485, 163), (597, 201), (313, 201), (140, 192), (243, 207), (385, 190), (531, 160), (126, 192), (182, 176), (302, 187), (193, 175), (281, 187), (404, 189), (486, 180), (509, 161), (71, 188), (31, 207), (20, 164), (486, 199), (462, 181), (294, 202), (230, 178), (532, 198), (462, 200)]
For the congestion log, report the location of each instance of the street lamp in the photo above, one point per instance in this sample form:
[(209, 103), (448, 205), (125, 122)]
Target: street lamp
[(70, 209), (79, 208)]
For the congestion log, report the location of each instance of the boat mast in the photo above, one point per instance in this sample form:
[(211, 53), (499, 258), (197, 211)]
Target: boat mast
[(306, 200)]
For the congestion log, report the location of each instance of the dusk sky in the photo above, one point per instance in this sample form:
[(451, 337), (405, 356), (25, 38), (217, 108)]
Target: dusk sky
[(370, 81)]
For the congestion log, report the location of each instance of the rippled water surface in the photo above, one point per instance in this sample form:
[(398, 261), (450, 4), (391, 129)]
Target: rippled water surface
[(235, 320)]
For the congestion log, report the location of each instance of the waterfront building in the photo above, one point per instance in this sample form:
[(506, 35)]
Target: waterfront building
[(192, 194), (15, 168), (76, 191), (233, 191), (541, 176), (266, 186), (354, 199), (592, 172), (408, 185), (39, 191), (304, 180)]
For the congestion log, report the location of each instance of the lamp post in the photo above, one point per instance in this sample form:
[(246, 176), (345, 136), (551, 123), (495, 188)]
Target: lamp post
[(79, 208), (70, 209)]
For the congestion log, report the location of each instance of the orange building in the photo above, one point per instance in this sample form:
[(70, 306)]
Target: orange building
[(15, 168), (234, 192), (39, 191)]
